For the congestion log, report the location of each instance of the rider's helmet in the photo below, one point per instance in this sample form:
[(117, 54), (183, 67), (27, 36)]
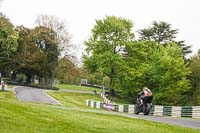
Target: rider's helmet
[(147, 91)]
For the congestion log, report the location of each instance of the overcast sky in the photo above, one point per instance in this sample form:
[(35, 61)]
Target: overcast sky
[(80, 15)]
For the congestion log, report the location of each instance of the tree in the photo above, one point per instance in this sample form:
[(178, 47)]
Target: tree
[(162, 33), (160, 68), (104, 46), (67, 72), (8, 42), (59, 27), (159, 32), (194, 95), (22, 54), (26, 58), (168, 74), (132, 74), (45, 40)]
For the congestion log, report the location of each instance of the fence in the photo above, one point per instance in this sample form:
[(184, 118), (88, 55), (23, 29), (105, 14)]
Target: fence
[(173, 111)]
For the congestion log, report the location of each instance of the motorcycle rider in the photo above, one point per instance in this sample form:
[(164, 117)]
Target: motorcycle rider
[(145, 95)]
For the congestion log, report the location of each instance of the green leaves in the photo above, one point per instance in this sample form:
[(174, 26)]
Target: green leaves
[(45, 40), (168, 75), (162, 33), (66, 72), (195, 79), (131, 65), (8, 41), (109, 36)]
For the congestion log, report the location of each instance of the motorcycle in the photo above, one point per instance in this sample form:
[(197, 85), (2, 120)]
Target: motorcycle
[(144, 107)]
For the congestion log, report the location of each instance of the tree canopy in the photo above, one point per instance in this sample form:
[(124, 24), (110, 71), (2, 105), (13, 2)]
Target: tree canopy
[(8, 41), (162, 33), (194, 95), (108, 38), (130, 65), (112, 58), (32, 52)]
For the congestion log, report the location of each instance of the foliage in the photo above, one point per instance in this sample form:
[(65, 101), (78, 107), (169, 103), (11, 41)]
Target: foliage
[(95, 78), (130, 65), (67, 72), (160, 68), (162, 33), (26, 55), (8, 42), (194, 95), (131, 76), (167, 72), (103, 48), (45, 40), (59, 27), (33, 52)]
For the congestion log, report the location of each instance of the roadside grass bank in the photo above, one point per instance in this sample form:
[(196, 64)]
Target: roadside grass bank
[(77, 87), (71, 99), (23, 117)]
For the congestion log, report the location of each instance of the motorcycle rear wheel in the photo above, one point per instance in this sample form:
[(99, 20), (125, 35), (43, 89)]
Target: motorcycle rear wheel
[(147, 109)]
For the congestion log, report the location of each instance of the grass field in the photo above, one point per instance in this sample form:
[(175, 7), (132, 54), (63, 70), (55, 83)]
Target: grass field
[(85, 88), (23, 117), (76, 87), (74, 99)]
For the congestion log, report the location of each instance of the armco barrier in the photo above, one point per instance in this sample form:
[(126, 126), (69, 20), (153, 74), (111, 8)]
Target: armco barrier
[(173, 111), (105, 99)]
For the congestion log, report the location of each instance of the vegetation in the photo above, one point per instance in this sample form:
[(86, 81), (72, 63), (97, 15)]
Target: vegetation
[(66, 72), (33, 53), (20, 117), (194, 94), (76, 87), (74, 99), (113, 58), (109, 37), (162, 33), (130, 65), (167, 73), (8, 43)]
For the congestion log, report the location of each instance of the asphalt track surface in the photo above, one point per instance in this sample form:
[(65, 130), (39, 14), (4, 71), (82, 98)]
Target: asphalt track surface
[(184, 122), (29, 94)]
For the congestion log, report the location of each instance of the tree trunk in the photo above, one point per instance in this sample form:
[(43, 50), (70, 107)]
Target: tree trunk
[(40, 80), (112, 91), (13, 76), (28, 79)]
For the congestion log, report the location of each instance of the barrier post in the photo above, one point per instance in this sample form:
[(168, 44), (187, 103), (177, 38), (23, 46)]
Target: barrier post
[(2, 85)]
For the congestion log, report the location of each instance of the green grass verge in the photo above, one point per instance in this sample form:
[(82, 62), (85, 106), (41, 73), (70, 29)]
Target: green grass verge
[(85, 88), (23, 117), (74, 99), (76, 87), (11, 86), (119, 100)]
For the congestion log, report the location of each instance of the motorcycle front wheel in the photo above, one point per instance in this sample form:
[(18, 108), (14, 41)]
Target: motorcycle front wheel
[(136, 109)]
